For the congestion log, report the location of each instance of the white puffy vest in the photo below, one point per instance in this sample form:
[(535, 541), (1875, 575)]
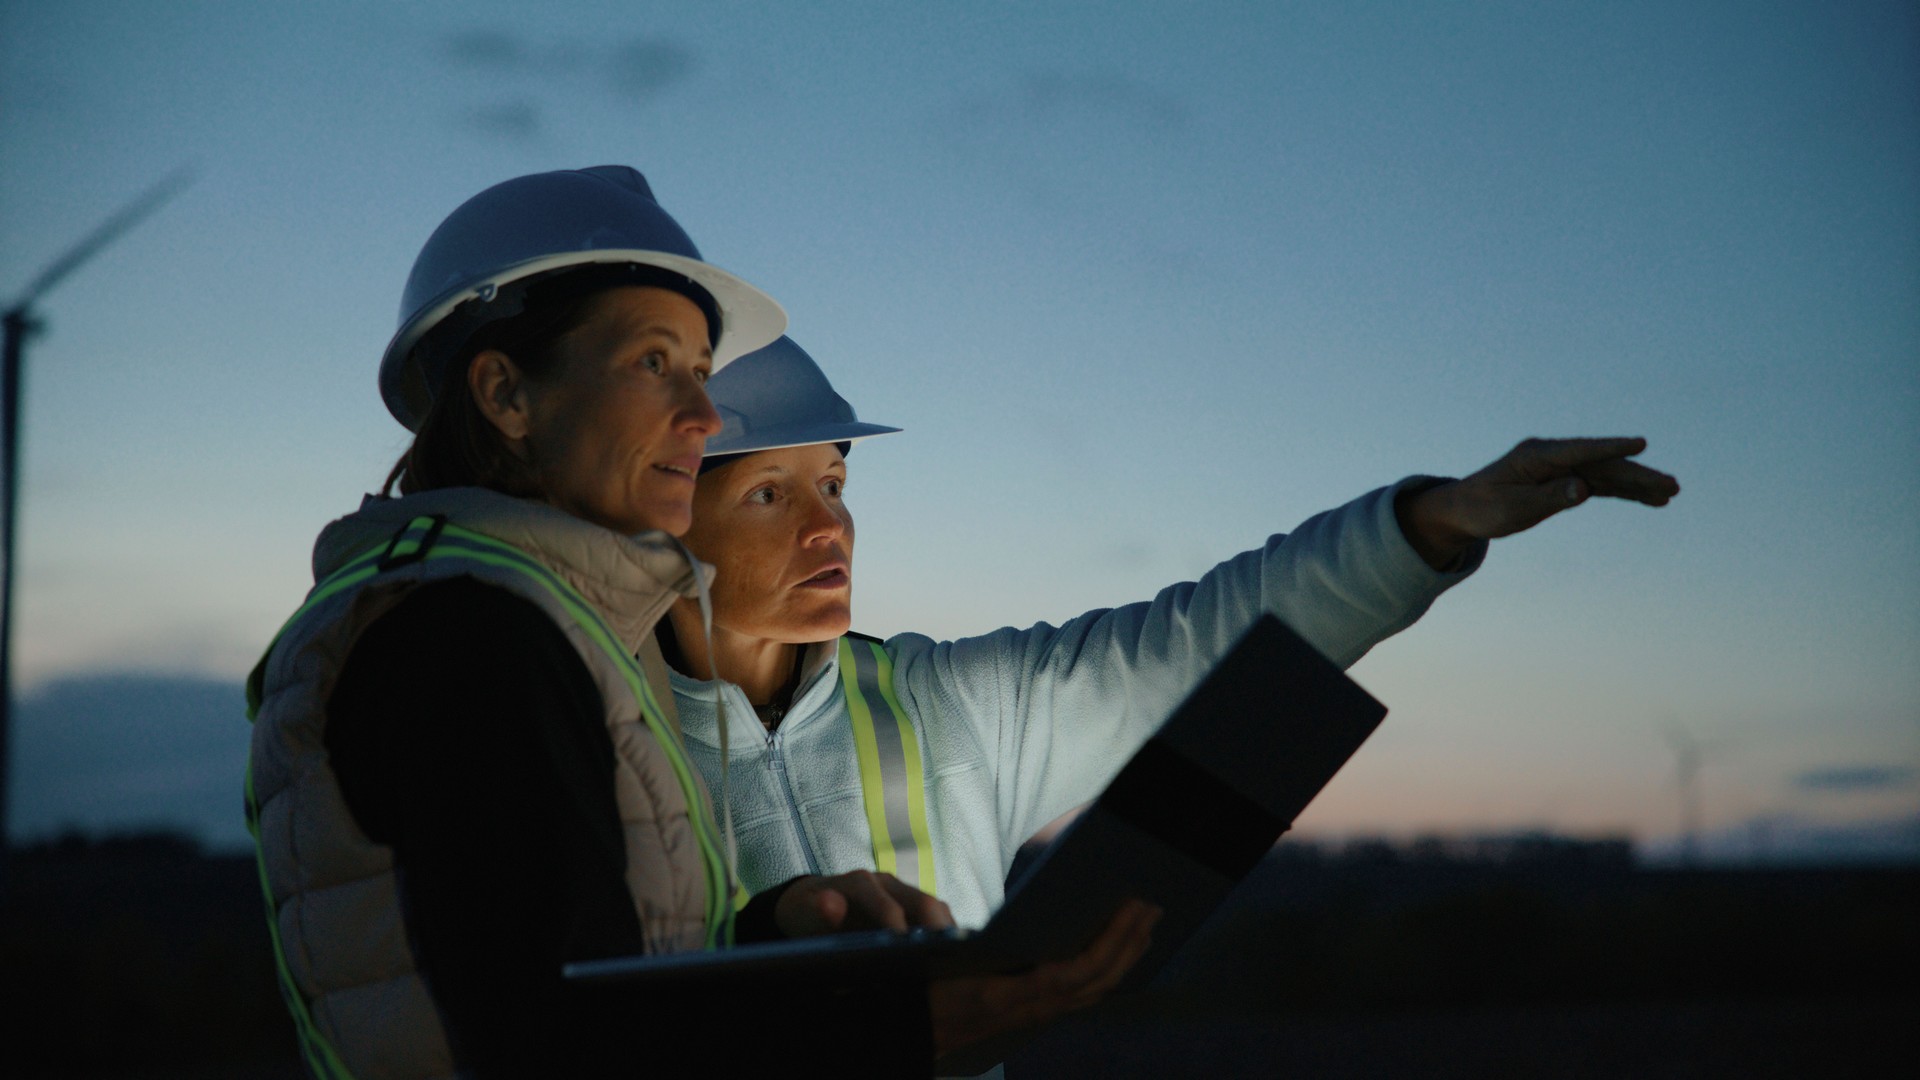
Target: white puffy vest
[(345, 965)]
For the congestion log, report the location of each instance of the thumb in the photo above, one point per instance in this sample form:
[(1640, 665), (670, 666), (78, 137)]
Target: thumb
[(1520, 507), (1543, 501)]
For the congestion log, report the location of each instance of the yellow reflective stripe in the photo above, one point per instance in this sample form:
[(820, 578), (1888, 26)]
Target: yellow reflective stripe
[(322, 1060), (867, 749), (916, 775), (892, 773)]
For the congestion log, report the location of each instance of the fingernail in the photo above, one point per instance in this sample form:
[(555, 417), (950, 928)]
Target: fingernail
[(1573, 491)]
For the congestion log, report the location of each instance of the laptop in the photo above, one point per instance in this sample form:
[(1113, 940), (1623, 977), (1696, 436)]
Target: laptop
[(1185, 820)]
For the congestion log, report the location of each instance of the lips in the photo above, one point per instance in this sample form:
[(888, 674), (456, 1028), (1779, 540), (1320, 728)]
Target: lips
[(687, 466), (834, 576)]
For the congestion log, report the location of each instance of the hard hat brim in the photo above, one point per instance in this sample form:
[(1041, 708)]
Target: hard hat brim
[(787, 438), (749, 318)]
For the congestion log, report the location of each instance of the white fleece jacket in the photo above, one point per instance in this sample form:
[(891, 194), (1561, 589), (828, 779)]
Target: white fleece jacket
[(1016, 727)]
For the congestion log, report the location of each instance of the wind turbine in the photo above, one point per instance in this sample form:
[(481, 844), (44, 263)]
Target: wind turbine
[(1689, 756), (20, 324), (1686, 770)]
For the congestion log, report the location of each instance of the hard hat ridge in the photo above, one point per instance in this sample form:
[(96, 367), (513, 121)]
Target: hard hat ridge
[(473, 268), (777, 397)]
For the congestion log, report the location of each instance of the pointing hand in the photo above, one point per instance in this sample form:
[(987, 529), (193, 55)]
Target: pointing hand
[(1532, 482)]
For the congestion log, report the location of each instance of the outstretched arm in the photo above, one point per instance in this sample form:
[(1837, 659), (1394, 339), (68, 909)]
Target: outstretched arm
[(1532, 482), (1055, 711)]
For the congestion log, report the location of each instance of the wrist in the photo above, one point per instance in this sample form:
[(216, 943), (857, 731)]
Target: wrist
[(1427, 515), (766, 916)]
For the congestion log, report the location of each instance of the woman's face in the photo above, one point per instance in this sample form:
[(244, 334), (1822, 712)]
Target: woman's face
[(614, 434), (775, 526)]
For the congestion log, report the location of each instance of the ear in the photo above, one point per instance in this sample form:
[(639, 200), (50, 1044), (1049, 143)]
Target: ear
[(499, 389)]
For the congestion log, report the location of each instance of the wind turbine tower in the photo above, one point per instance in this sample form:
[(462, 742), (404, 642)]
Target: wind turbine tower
[(20, 324)]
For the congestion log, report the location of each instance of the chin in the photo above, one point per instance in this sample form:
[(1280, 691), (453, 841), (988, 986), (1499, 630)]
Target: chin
[(669, 519), (823, 625)]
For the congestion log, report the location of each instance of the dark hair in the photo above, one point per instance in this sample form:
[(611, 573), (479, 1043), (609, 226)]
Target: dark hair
[(456, 445)]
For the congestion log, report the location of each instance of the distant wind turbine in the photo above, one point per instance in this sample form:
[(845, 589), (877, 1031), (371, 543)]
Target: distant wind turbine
[(1689, 756), (20, 324)]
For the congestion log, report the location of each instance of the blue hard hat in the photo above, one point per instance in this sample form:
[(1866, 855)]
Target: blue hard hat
[(778, 397), (534, 225)]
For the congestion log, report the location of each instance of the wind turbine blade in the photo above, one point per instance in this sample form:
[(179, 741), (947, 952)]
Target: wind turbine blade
[(109, 231)]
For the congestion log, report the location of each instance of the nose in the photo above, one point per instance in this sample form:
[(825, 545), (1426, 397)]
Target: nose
[(696, 413), (825, 520)]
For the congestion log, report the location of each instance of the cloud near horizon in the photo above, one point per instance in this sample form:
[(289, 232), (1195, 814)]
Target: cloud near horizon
[(121, 752), (1855, 778)]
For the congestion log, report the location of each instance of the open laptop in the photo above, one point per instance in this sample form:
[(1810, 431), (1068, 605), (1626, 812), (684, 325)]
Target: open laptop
[(1183, 822)]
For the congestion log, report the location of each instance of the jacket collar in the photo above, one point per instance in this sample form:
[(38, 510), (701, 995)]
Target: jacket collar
[(819, 680)]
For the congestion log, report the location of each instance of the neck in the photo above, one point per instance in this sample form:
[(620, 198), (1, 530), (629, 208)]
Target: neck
[(762, 669)]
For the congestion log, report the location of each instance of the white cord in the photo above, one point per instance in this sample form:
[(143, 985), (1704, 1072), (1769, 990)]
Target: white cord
[(720, 710)]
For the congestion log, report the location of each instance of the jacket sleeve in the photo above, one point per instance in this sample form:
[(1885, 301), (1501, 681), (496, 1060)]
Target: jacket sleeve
[(1057, 710)]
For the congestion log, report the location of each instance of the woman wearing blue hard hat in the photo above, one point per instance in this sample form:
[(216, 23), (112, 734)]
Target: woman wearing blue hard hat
[(935, 760), (465, 770)]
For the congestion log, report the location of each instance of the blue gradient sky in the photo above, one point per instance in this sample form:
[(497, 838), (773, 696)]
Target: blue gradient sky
[(1143, 285)]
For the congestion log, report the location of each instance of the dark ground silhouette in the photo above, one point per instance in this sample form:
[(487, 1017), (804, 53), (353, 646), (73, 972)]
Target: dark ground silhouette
[(143, 957), (1542, 959)]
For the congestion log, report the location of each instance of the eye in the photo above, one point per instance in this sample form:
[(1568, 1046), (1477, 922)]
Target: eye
[(655, 362), (833, 486), (761, 496), (703, 374)]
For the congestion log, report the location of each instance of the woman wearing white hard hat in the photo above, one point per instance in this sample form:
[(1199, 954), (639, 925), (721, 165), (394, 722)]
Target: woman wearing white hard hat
[(936, 760), (462, 776)]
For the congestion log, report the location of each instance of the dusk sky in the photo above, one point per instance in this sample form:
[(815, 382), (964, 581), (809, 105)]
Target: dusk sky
[(1143, 284)]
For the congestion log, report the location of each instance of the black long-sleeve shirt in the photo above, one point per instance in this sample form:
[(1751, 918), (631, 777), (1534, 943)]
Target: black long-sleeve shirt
[(469, 736)]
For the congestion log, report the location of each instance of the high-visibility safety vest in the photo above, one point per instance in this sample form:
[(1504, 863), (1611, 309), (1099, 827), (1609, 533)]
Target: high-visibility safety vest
[(430, 547), (893, 782)]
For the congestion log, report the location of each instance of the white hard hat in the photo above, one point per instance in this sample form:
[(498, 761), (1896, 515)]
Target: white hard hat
[(778, 397), (537, 224)]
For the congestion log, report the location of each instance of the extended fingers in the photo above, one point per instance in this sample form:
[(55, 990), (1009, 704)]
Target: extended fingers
[(1623, 479), (1541, 477), (1566, 454)]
